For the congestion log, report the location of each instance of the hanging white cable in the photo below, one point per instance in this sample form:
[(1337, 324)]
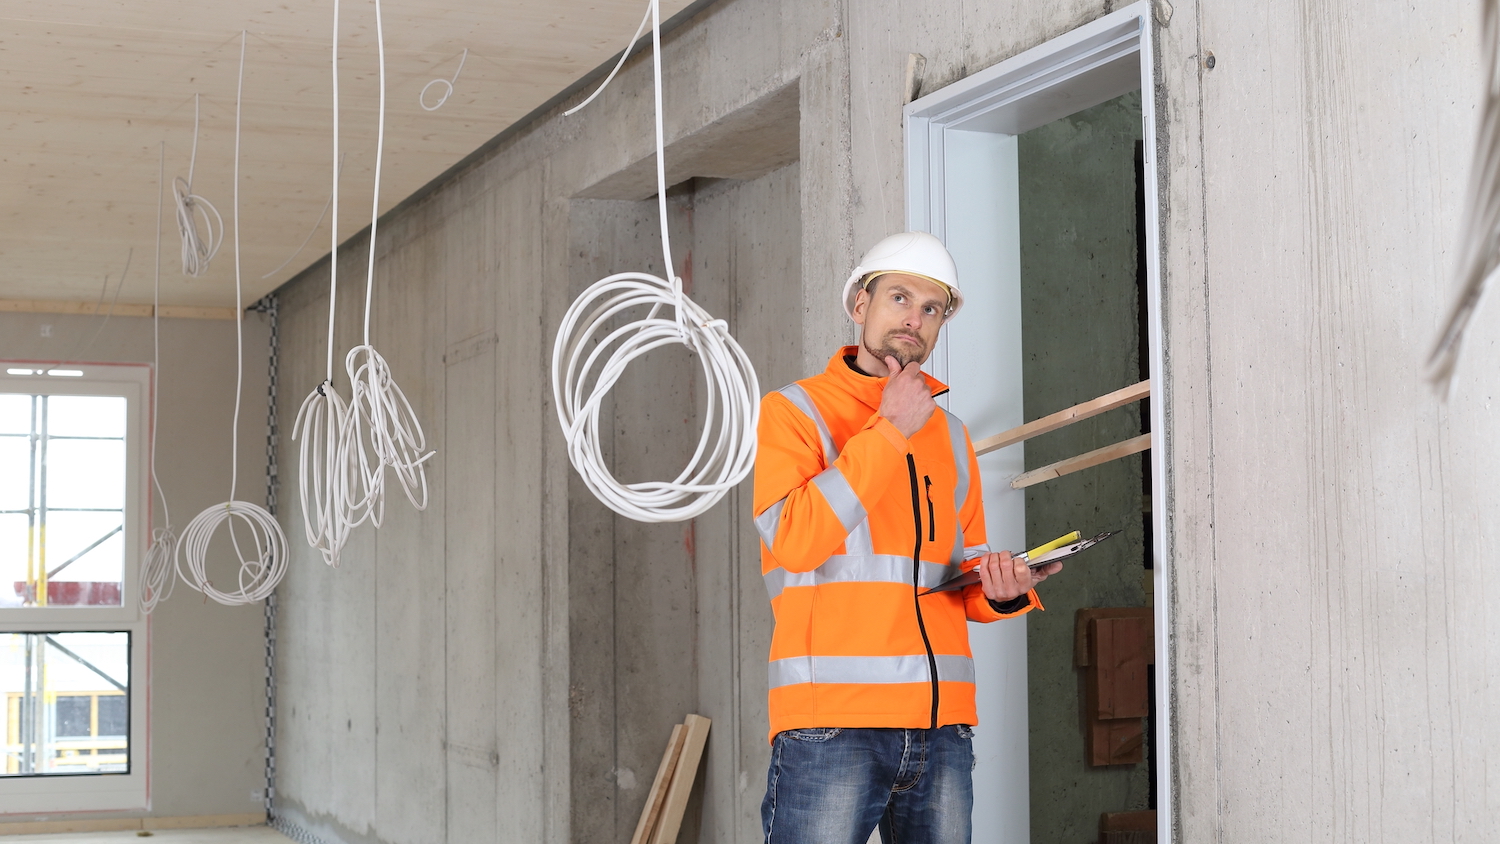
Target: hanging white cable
[(585, 367), (378, 405), (198, 221), (1479, 243), (316, 226), (264, 568), (447, 86), (331, 473), (157, 574)]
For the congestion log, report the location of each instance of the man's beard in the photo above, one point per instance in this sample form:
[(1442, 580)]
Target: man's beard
[(904, 354)]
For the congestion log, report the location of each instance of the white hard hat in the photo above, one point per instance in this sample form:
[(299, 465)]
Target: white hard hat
[(916, 253)]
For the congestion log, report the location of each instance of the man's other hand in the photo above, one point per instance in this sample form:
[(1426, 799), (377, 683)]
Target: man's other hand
[(907, 401), (1005, 578)]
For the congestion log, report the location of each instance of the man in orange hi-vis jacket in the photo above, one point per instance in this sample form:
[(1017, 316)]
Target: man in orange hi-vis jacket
[(866, 494)]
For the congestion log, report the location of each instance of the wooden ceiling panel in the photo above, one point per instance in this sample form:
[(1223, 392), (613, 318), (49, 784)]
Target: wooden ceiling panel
[(91, 90)]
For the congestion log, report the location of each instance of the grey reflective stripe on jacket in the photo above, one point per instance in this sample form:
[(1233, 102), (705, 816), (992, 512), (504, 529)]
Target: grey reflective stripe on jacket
[(960, 485), (868, 669), (830, 482), (859, 563), (871, 568)]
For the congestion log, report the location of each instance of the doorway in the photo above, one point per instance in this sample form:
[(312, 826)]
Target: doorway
[(1062, 289)]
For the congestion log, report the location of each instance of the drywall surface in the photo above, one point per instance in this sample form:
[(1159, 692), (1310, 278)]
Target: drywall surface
[(1080, 340), (207, 683)]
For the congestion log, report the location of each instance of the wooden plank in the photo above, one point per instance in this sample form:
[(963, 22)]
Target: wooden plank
[(695, 729), (656, 796), (1135, 445), (69, 308), (1063, 418)]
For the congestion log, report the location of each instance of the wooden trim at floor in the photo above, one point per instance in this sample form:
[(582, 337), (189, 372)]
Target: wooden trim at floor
[(127, 824), (51, 306)]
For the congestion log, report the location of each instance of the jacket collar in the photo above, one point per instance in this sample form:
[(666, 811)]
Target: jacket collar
[(864, 387)]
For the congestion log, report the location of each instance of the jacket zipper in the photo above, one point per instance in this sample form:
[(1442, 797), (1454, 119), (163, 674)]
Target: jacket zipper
[(931, 519), (916, 582)]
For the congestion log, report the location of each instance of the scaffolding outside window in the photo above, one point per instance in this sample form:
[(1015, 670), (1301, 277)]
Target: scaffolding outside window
[(67, 703), (62, 500), (74, 454)]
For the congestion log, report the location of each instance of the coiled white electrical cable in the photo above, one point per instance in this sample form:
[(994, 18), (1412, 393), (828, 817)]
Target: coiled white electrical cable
[(331, 467), (157, 574), (193, 211), (583, 372), (264, 568), (377, 404), (447, 86), (1479, 242)]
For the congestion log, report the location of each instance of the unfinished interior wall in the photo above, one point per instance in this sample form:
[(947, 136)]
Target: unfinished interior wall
[(1330, 523), (1080, 339), (207, 679), (1334, 525)]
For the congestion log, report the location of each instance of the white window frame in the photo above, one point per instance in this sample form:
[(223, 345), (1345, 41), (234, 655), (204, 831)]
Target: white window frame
[(52, 794), (1092, 64)]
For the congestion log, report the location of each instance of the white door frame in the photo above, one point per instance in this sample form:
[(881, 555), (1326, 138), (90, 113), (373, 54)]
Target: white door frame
[(1087, 66)]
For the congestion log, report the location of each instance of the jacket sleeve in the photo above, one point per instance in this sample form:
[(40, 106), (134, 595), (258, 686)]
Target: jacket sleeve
[(804, 509), (976, 606)]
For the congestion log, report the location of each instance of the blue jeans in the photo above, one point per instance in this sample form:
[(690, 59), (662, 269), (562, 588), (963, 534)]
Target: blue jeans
[(834, 785)]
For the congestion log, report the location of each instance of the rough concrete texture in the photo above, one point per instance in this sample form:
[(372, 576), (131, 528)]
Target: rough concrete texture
[(1329, 522), (1333, 525), (1080, 340), (208, 690)]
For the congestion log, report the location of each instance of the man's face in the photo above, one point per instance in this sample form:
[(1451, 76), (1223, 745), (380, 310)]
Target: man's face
[(901, 315)]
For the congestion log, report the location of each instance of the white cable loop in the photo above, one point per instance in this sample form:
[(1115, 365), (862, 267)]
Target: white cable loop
[(332, 495), (199, 245), (446, 83), (583, 372), (585, 367), (395, 434), (157, 573), (377, 406), (335, 489), (260, 572)]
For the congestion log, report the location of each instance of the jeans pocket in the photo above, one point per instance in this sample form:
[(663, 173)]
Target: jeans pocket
[(964, 731), (813, 734)]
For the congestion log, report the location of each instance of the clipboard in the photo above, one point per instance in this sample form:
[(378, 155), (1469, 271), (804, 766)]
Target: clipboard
[(1049, 553)]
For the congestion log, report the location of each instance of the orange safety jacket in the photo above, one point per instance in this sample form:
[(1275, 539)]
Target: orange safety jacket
[(855, 520)]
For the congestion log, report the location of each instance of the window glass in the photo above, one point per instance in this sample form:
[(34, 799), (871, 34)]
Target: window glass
[(15, 414), (67, 697), (86, 416), (113, 718), (73, 714), (62, 500)]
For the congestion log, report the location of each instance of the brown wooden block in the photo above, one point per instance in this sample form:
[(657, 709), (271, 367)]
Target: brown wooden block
[(1142, 821), (1119, 653), (1118, 742), (1081, 620)]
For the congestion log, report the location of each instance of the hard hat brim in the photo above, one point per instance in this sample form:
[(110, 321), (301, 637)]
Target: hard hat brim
[(857, 281)]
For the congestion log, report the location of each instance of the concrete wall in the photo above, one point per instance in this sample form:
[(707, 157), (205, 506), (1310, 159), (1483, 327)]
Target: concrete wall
[(1080, 339), (207, 683), (1334, 527), (1330, 524)]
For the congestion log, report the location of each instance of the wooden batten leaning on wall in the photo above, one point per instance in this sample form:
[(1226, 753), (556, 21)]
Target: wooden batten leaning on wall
[(1063, 418)]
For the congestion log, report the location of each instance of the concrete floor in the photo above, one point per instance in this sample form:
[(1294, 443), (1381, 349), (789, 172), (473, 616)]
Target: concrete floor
[(231, 835)]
